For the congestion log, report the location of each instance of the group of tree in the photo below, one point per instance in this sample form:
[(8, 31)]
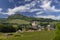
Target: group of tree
[(6, 28), (9, 27)]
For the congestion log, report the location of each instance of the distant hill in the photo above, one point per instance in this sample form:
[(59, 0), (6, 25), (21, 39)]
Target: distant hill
[(22, 17), (18, 18)]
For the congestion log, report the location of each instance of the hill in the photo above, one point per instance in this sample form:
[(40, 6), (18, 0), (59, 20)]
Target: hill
[(22, 17)]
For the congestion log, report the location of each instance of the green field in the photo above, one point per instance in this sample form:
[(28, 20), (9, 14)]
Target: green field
[(18, 21), (43, 35)]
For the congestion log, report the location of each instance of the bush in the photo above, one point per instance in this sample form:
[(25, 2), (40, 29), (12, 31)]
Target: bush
[(1, 26), (57, 38), (7, 28), (57, 33)]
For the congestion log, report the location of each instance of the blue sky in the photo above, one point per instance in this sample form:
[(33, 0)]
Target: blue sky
[(35, 8)]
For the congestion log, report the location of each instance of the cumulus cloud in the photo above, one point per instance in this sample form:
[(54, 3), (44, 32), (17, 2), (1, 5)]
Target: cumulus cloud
[(57, 17), (17, 9), (56, 10), (24, 8), (38, 13), (48, 16), (31, 7), (46, 6), (0, 9), (48, 9)]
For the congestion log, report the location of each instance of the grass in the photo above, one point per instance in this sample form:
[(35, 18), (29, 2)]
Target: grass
[(18, 21), (43, 35)]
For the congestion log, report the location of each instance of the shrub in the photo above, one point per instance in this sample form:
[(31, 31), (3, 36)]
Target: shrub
[(57, 33), (1, 26), (7, 28)]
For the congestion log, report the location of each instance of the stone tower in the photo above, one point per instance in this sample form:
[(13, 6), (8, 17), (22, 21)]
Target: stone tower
[(48, 27), (34, 25)]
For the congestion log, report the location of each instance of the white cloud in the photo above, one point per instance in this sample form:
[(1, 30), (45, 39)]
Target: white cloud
[(38, 13), (33, 3), (17, 9), (46, 6), (56, 10), (48, 9), (1, 9), (27, 8), (48, 16), (57, 17)]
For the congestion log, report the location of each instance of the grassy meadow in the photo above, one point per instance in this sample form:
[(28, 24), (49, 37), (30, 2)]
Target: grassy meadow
[(43, 35), (18, 21)]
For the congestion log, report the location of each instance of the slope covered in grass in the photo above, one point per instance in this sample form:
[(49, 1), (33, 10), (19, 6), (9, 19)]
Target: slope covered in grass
[(43, 35), (18, 21)]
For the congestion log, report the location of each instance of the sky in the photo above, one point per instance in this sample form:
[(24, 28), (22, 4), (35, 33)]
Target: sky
[(34, 8)]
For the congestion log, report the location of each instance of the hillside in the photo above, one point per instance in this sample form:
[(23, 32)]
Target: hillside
[(18, 21), (22, 17)]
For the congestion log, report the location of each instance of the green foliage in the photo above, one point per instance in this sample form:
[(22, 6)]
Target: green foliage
[(1, 26), (57, 33), (57, 38), (7, 28)]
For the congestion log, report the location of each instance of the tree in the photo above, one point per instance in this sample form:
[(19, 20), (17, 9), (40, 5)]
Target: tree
[(1, 26), (57, 33), (7, 28)]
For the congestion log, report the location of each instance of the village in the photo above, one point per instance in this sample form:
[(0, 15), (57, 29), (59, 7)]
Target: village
[(37, 27)]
